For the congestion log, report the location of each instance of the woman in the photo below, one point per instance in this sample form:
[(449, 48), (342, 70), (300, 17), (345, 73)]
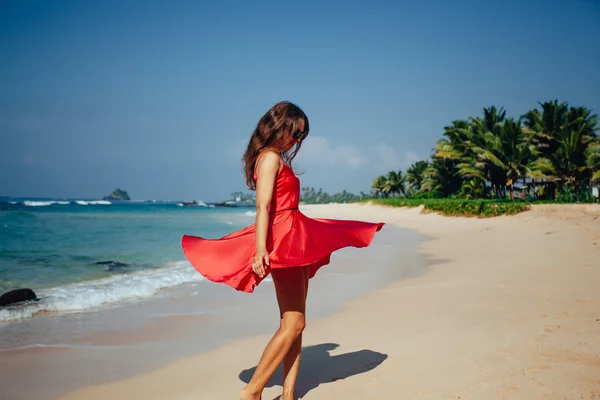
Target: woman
[(283, 242)]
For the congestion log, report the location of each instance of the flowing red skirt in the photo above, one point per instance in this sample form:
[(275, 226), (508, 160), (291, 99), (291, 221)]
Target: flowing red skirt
[(294, 240)]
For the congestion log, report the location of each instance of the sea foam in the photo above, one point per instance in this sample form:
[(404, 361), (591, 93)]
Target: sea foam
[(93, 202), (92, 294), (38, 203)]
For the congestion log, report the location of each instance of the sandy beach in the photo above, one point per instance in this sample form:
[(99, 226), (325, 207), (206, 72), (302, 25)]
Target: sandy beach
[(509, 309)]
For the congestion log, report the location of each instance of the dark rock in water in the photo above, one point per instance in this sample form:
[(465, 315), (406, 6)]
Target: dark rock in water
[(117, 195), (110, 265), (17, 296)]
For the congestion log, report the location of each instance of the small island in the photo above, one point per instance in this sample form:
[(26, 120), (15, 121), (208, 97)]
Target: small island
[(118, 194)]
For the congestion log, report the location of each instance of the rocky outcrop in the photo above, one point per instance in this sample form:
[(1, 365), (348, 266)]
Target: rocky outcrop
[(119, 195), (17, 296), (111, 265)]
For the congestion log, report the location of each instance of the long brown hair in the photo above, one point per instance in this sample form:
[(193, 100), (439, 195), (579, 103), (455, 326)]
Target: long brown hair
[(273, 131)]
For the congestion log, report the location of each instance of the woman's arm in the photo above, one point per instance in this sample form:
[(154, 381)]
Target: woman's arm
[(266, 171)]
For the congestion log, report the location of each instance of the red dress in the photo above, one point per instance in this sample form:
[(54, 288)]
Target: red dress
[(293, 240)]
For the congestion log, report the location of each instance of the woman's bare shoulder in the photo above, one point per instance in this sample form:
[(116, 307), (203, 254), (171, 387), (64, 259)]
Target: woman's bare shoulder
[(269, 157)]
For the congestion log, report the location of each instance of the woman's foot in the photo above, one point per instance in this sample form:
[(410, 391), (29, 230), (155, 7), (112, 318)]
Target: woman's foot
[(287, 397), (246, 394)]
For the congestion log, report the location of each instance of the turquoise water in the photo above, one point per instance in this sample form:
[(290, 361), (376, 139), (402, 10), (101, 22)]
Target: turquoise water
[(81, 254)]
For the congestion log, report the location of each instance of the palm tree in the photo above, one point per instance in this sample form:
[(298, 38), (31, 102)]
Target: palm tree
[(415, 175), (593, 160), (441, 177), (396, 183), (465, 142), (489, 133), (472, 189), (457, 145), (547, 124), (389, 185), (507, 155), (565, 139), (491, 149), (379, 187)]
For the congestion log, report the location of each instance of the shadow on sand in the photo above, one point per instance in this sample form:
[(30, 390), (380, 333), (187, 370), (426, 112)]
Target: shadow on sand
[(317, 366)]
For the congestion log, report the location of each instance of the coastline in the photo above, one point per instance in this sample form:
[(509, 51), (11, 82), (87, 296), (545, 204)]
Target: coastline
[(508, 310), (109, 344)]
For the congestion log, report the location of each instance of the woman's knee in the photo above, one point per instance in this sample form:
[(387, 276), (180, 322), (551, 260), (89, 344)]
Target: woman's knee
[(293, 324)]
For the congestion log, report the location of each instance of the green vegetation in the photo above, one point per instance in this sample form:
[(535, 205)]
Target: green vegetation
[(477, 207), (550, 154), (309, 195)]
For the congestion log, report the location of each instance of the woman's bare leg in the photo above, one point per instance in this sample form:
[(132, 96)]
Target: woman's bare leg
[(291, 362), (291, 295)]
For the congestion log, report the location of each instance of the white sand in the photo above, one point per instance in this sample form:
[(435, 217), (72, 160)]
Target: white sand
[(509, 310)]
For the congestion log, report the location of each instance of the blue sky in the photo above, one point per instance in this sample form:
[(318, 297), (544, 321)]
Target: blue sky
[(159, 98)]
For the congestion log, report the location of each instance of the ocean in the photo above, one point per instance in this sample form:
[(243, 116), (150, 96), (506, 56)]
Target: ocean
[(82, 255)]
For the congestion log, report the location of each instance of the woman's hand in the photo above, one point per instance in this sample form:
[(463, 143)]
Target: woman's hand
[(260, 262)]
